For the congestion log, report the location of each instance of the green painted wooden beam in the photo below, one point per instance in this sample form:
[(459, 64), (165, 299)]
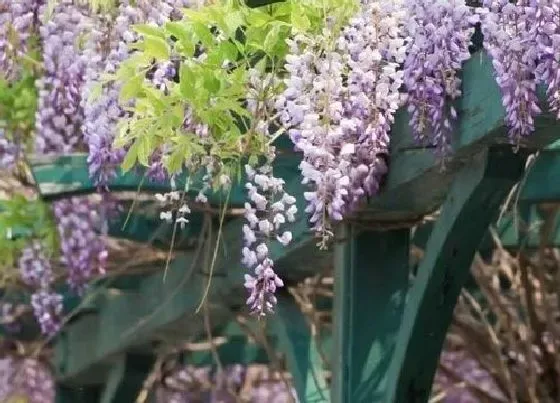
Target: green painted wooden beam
[(507, 231), (59, 176), (127, 377), (114, 380), (415, 184), (371, 282), (471, 205), (236, 350), (65, 394), (299, 346), (144, 227), (542, 183)]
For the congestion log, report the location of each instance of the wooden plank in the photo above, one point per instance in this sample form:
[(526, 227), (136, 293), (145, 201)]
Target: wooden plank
[(542, 183), (59, 176), (296, 342), (415, 184), (114, 379), (66, 394), (472, 204), (371, 282), (236, 350)]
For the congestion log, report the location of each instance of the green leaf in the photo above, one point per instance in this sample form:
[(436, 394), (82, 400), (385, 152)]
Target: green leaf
[(203, 34), (145, 149), (186, 81), (130, 158), (233, 21), (131, 88), (156, 47), (300, 21), (149, 30), (196, 16), (211, 82), (271, 38), (174, 162), (155, 99), (95, 92), (179, 30), (258, 19)]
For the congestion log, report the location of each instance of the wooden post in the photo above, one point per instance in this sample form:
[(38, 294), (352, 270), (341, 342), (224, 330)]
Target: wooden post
[(371, 280), (472, 203), (66, 394), (299, 345), (126, 378)]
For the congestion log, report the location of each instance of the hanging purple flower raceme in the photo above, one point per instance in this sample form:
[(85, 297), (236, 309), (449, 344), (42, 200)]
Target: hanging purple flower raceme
[(373, 46), (17, 22), (107, 47), (341, 95), (36, 272), (547, 13), (47, 306), (8, 151), (311, 108), (28, 379), (59, 121), (440, 36), (510, 38), (269, 208), (59, 114), (83, 251), (35, 268)]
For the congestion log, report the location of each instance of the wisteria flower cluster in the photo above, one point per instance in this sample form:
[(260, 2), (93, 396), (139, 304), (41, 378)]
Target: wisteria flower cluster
[(440, 33), (107, 46), (83, 251), (270, 207), (36, 272), (8, 151), (547, 15), (26, 379), (341, 95), (18, 19), (509, 38), (59, 114)]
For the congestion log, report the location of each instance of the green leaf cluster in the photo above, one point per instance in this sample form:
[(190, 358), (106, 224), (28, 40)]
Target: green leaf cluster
[(233, 38), (18, 102), (21, 221)]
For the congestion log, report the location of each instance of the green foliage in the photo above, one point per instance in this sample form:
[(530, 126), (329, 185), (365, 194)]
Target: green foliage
[(234, 38), (20, 221), (18, 101)]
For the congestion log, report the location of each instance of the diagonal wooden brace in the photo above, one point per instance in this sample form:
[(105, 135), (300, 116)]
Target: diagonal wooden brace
[(473, 202)]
